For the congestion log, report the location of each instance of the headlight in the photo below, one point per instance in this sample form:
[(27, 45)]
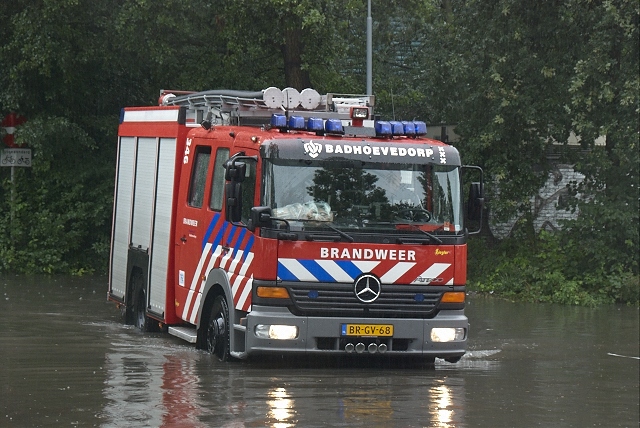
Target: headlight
[(277, 332), (447, 334)]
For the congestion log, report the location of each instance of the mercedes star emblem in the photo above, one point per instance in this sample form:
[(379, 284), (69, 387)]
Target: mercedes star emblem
[(367, 288)]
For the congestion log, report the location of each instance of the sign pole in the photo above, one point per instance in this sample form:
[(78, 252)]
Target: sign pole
[(14, 158), (369, 50), (13, 194), (14, 155)]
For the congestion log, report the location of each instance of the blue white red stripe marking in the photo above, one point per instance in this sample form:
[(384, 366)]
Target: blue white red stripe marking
[(323, 270), (226, 247)]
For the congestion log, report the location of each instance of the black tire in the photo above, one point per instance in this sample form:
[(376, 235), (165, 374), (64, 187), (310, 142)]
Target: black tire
[(139, 309), (217, 329), (138, 312)]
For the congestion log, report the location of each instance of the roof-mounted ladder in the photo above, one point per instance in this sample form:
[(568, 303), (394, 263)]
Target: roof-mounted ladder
[(262, 104)]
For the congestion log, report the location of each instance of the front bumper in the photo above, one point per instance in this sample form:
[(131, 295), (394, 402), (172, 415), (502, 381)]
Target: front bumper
[(322, 335)]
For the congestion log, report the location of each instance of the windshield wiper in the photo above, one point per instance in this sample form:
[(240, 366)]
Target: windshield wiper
[(341, 233), (319, 237), (430, 235)]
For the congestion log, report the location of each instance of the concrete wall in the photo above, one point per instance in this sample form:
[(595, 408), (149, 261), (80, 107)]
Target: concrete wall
[(546, 213)]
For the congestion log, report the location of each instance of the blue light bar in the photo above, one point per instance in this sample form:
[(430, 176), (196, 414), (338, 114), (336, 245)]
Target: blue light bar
[(333, 126), (315, 124), (421, 128), (382, 128), (409, 128), (278, 121), (396, 127), (296, 122)]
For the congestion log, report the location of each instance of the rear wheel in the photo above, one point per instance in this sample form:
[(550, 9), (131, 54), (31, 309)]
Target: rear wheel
[(217, 333), (139, 316)]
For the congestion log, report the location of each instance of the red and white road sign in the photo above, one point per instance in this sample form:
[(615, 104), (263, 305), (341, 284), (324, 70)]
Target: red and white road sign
[(9, 123)]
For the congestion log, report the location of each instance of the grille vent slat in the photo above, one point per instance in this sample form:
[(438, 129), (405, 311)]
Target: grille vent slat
[(395, 301)]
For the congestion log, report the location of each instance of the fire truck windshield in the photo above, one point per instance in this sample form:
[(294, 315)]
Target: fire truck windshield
[(333, 194)]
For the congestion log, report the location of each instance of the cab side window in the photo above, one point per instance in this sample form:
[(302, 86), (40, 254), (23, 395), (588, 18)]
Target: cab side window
[(217, 184), (199, 176)]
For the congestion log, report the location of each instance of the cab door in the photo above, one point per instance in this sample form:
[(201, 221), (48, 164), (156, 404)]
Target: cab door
[(200, 202)]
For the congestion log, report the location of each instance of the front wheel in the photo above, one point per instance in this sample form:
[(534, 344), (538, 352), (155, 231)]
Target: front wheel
[(217, 334)]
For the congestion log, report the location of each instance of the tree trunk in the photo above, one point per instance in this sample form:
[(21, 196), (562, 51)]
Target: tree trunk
[(295, 76)]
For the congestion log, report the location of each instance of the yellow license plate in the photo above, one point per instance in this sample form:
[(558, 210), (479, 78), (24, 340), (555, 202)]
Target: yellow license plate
[(377, 330)]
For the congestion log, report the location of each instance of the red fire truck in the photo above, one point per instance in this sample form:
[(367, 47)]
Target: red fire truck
[(284, 222)]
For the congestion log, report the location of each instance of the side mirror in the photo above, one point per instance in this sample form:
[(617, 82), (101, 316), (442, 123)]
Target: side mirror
[(233, 191), (476, 201), (235, 171), (475, 205), (260, 217), (234, 175)]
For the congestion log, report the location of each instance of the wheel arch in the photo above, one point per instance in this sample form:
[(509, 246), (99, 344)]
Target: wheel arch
[(217, 284)]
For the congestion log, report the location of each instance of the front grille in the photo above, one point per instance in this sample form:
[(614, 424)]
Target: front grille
[(395, 301)]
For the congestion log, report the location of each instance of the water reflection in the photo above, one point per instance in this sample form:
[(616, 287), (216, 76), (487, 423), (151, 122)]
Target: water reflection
[(156, 387), (180, 392), (366, 408), (443, 414), (67, 360), (129, 388), (154, 382), (281, 408)]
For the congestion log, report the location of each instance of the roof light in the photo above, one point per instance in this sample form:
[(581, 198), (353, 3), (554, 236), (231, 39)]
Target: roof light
[(359, 112), (296, 122), (315, 124), (333, 126), (409, 128), (383, 128), (272, 97), (278, 121), (309, 99), (291, 98), (396, 127), (421, 128)]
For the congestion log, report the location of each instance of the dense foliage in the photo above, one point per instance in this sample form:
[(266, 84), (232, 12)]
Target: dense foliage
[(516, 77), (548, 70)]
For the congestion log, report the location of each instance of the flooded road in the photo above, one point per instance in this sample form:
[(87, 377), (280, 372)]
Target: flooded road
[(67, 360)]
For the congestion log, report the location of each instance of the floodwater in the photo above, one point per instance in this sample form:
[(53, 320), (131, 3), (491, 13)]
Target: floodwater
[(67, 360)]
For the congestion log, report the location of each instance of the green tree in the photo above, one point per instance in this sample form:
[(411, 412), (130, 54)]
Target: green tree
[(526, 76), (511, 62), (284, 43), (69, 67), (516, 78), (604, 101), (51, 60), (406, 48), (343, 188)]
